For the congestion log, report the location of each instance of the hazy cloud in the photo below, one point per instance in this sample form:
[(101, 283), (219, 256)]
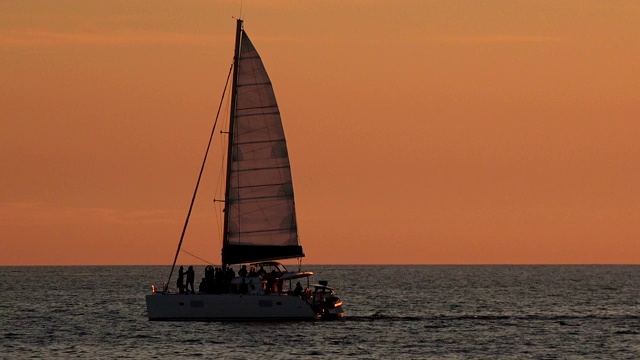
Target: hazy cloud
[(494, 38), (35, 213), (43, 38)]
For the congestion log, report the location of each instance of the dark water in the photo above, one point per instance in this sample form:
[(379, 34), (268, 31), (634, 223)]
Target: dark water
[(407, 312)]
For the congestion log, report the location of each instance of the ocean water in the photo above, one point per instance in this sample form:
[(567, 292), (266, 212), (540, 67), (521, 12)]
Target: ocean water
[(403, 312)]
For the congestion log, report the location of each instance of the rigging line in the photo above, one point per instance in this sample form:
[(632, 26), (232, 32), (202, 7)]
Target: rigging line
[(199, 258), (193, 199)]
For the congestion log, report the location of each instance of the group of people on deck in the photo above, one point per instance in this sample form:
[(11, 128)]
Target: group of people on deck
[(219, 280)]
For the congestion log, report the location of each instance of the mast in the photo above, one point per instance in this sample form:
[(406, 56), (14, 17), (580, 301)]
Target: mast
[(236, 61)]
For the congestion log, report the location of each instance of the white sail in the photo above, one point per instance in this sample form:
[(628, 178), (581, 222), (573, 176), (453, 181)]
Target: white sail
[(261, 221)]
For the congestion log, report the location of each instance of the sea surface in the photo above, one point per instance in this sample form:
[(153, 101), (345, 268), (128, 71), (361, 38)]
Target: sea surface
[(394, 312)]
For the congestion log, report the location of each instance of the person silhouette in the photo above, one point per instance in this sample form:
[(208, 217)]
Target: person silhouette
[(243, 271), (262, 271), (180, 282), (190, 279)]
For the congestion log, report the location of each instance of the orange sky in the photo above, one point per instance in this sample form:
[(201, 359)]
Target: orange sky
[(421, 132)]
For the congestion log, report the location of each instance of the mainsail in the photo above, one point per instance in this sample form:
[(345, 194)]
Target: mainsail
[(260, 221)]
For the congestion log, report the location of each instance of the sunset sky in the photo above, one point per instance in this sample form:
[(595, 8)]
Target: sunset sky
[(420, 132)]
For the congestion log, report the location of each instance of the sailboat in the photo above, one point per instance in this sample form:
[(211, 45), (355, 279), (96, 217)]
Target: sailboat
[(260, 227)]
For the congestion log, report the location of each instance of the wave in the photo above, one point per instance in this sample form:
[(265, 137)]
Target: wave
[(383, 317), (561, 319)]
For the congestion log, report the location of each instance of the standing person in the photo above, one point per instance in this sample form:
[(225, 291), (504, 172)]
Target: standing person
[(262, 271), (190, 278), (180, 282), (243, 271)]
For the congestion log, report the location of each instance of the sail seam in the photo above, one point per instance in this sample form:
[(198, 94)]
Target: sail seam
[(254, 84), (262, 185), (262, 168), (252, 57), (257, 107), (259, 142), (241, 199), (258, 114), (264, 231)]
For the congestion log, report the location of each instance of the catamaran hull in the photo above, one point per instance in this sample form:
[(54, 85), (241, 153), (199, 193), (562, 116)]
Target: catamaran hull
[(227, 307)]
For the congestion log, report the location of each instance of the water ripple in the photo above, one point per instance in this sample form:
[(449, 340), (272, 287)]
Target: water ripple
[(408, 312)]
